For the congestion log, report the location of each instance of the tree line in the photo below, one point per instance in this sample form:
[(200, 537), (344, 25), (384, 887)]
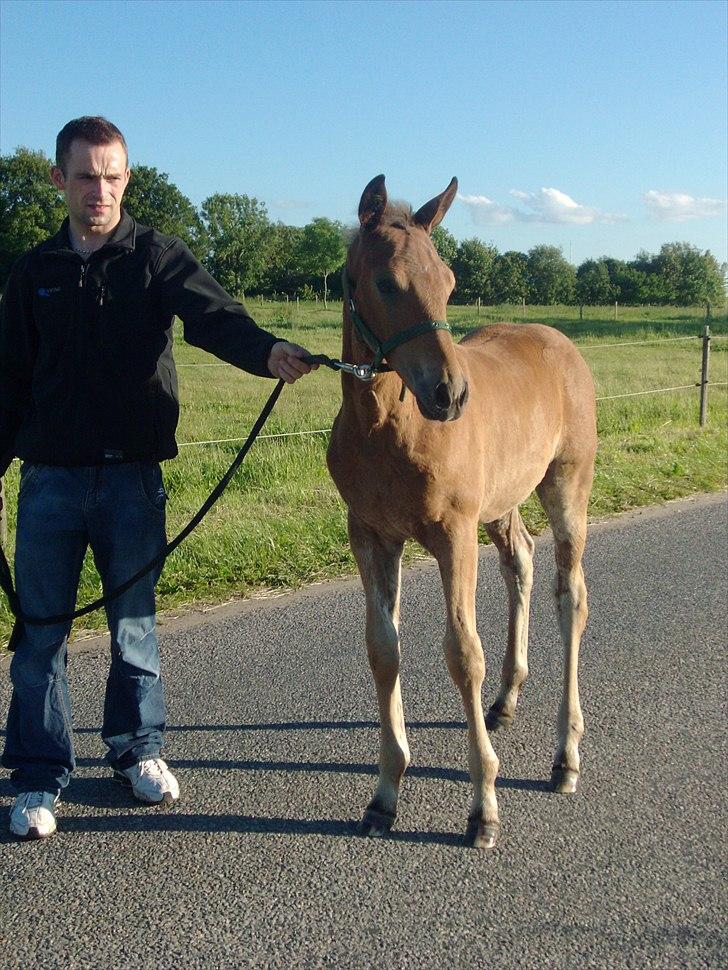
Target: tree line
[(234, 237)]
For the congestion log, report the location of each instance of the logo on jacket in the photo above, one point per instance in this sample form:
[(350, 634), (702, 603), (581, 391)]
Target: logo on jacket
[(48, 290)]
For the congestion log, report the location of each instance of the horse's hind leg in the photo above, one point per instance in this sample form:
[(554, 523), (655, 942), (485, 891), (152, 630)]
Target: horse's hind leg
[(564, 493), (379, 566), (515, 547), (455, 546)]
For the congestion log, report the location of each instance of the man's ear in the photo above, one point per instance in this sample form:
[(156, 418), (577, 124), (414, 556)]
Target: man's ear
[(58, 178)]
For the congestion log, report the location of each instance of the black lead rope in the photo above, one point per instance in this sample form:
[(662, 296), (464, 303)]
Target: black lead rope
[(6, 580)]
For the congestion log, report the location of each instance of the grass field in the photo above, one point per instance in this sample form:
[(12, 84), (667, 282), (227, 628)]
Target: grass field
[(281, 523)]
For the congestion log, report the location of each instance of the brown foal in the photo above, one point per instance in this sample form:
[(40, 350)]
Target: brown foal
[(486, 421)]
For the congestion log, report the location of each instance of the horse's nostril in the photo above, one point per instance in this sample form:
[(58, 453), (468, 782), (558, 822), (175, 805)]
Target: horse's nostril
[(442, 396), (464, 395)]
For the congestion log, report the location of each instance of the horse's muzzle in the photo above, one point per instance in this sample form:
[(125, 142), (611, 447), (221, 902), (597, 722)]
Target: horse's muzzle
[(446, 402)]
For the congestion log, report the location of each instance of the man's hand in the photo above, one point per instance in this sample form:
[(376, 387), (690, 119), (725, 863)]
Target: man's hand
[(285, 361)]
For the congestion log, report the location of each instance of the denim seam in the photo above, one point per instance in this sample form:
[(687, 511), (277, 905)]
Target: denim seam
[(61, 700)]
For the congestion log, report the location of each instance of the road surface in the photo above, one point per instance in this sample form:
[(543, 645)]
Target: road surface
[(273, 736)]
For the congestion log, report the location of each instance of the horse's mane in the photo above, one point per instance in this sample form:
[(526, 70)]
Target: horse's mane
[(398, 214)]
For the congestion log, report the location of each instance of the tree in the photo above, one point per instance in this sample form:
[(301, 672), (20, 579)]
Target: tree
[(550, 278), (631, 285), (30, 207), (155, 201), (593, 284), (240, 238), (445, 243), (508, 279), (472, 266), (321, 249), (283, 274), (689, 276)]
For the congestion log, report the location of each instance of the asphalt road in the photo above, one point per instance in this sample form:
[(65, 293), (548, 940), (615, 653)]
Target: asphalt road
[(273, 736)]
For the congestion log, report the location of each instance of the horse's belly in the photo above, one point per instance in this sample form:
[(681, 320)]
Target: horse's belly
[(501, 495)]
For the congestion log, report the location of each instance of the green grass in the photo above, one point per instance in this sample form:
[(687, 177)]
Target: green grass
[(281, 523)]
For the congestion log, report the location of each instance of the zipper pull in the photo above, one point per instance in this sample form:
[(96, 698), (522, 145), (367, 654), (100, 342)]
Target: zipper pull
[(102, 293), (82, 280)]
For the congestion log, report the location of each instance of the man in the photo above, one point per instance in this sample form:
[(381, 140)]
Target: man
[(88, 401)]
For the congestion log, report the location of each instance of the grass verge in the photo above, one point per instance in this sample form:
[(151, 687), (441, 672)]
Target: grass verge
[(281, 523)]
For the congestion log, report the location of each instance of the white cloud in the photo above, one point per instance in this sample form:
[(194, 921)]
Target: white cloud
[(544, 206), (486, 212), (679, 207)]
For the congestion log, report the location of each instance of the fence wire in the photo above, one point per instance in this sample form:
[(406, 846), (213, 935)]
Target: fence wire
[(584, 347)]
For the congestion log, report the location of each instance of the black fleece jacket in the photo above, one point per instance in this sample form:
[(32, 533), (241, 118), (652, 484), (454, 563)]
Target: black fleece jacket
[(86, 368)]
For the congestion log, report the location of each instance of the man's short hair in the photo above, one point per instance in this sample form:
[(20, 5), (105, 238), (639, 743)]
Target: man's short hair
[(91, 128)]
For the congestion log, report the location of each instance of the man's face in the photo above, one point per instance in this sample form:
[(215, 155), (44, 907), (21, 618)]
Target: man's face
[(94, 181)]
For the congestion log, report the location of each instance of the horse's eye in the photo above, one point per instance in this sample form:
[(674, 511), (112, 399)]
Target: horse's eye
[(387, 287)]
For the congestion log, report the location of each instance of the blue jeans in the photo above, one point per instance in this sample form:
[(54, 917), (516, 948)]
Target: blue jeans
[(119, 510)]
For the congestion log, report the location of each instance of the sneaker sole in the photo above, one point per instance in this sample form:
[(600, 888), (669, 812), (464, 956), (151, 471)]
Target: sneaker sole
[(167, 800), (32, 835)]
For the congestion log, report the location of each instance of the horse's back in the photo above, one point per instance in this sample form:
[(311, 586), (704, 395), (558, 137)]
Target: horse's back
[(541, 367)]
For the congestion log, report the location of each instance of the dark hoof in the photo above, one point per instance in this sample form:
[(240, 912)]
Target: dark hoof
[(480, 834), (497, 720), (564, 780), (376, 822)]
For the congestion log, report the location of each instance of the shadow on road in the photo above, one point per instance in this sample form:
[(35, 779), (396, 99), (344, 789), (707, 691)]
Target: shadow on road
[(292, 726), (116, 803), (104, 792), (174, 821)]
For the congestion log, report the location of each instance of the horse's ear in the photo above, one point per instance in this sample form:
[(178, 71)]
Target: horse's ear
[(373, 203), (433, 212)]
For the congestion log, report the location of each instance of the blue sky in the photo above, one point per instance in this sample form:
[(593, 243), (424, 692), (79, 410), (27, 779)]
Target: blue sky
[(599, 127)]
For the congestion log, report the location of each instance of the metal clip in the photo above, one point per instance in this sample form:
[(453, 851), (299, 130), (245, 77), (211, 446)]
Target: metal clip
[(363, 372)]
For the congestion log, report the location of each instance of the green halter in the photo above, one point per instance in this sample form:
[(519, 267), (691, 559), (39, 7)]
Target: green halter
[(379, 349)]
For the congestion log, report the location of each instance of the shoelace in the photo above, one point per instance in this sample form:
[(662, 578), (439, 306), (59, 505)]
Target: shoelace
[(34, 799), (152, 767)]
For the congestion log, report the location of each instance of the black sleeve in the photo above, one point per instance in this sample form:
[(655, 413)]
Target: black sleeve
[(18, 349), (212, 319)]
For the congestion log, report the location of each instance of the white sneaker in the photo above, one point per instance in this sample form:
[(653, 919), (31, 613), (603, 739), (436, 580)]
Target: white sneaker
[(151, 781), (33, 815)]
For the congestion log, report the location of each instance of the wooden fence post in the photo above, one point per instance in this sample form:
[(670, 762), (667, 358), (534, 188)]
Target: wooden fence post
[(704, 370)]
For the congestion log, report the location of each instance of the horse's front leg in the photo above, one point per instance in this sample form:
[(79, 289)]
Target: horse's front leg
[(379, 565), (455, 546)]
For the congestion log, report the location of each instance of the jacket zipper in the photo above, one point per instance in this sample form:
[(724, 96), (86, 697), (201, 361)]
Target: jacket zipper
[(82, 280)]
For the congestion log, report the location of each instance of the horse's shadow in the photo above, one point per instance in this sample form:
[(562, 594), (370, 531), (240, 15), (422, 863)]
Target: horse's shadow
[(101, 792)]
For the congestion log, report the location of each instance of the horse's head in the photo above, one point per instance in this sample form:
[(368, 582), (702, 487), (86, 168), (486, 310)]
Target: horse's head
[(399, 287)]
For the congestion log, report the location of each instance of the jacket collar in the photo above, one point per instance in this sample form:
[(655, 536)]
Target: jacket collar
[(122, 238)]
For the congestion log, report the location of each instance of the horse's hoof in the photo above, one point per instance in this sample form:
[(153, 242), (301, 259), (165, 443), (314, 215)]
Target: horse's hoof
[(480, 834), (497, 720), (376, 822), (564, 780)]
